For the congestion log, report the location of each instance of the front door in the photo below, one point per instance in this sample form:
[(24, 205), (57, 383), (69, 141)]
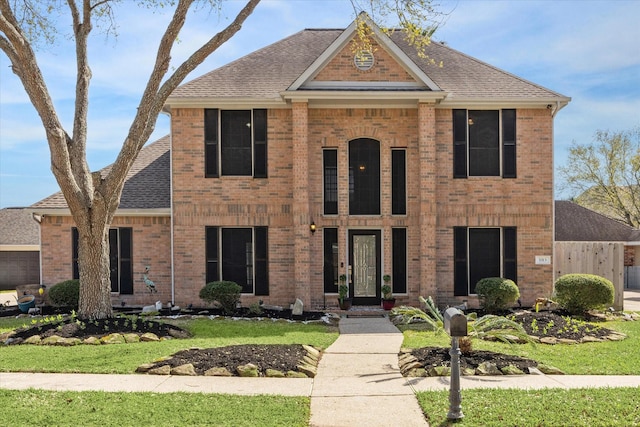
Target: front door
[(364, 264)]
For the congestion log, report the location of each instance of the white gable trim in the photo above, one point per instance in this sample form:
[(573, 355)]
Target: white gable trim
[(304, 81)]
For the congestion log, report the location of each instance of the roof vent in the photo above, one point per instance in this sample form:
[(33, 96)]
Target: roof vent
[(363, 60)]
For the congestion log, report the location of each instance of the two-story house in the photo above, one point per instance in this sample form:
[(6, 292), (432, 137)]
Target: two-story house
[(305, 160)]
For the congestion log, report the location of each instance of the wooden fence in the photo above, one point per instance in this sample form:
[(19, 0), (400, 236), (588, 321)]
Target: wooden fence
[(601, 258)]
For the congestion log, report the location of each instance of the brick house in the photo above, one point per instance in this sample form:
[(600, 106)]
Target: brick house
[(303, 161)]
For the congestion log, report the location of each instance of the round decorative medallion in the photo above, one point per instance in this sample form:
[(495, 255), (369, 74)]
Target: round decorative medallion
[(363, 60)]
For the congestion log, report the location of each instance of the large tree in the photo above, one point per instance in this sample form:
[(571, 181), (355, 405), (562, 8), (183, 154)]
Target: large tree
[(94, 198), (604, 175)]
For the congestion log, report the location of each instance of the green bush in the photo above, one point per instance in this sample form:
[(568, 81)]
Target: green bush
[(496, 293), (224, 292), (578, 293), (65, 294)]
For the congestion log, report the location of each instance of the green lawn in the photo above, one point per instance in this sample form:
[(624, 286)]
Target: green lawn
[(94, 408), (603, 358), (482, 407), (124, 359), (604, 407)]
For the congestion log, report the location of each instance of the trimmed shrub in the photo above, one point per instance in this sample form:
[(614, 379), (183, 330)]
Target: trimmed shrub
[(224, 292), (65, 294), (578, 293), (496, 293)]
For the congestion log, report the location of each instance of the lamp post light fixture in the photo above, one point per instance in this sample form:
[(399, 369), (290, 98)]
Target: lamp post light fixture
[(312, 227)]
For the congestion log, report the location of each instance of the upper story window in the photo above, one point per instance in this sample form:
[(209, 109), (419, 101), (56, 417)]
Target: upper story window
[(235, 143), (484, 143), (364, 177), (330, 178)]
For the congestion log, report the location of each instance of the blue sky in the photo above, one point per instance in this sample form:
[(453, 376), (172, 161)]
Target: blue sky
[(587, 50)]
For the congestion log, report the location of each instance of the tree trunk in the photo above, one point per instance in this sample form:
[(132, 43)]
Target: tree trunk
[(94, 267)]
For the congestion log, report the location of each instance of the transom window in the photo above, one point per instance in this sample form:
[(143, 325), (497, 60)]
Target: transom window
[(235, 143)]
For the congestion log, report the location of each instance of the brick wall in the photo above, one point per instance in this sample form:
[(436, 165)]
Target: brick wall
[(436, 202), (341, 68), (151, 247)]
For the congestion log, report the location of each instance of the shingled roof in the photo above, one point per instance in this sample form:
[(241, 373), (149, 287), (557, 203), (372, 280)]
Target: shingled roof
[(18, 228), (579, 224), (147, 186), (266, 73)]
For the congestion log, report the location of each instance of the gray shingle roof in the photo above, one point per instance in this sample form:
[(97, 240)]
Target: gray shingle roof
[(147, 186), (576, 223), (17, 227), (265, 73)]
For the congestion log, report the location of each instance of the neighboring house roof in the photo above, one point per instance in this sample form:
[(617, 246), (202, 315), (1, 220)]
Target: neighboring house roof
[(18, 228), (147, 186), (266, 74), (576, 223)]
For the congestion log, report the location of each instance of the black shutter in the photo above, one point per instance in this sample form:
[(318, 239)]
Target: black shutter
[(459, 143), (74, 253), (126, 261), (113, 260), (460, 277), (510, 244), (398, 183), (330, 260), (330, 170), (399, 257), (259, 143), (211, 254), (508, 143), (211, 143), (261, 261)]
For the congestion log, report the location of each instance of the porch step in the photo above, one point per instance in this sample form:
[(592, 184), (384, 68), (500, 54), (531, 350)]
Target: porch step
[(361, 311)]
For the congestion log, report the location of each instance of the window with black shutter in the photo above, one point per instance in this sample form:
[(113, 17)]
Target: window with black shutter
[(235, 143), (364, 177), (484, 143), (483, 252), (398, 182), (239, 255), (330, 259), (330, 178), (399, 260), (120, 258)]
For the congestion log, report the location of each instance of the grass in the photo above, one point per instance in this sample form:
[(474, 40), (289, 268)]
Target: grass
[(124, 359), (92, 408), (603, 358), (547, 407)]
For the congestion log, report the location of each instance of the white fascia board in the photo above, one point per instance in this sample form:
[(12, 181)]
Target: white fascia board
[(225, 103), (345, 85), (120, 212), (483, 103), (19, 248), (364, 95)]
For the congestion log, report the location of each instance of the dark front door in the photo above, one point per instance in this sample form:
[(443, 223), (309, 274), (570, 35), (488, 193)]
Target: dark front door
[(364, 266)]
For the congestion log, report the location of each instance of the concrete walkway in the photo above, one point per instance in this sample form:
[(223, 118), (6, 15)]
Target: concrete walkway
[(359, 382)]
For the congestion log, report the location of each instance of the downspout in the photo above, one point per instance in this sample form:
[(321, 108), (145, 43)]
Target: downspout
[(38, 218), (167, 111)]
